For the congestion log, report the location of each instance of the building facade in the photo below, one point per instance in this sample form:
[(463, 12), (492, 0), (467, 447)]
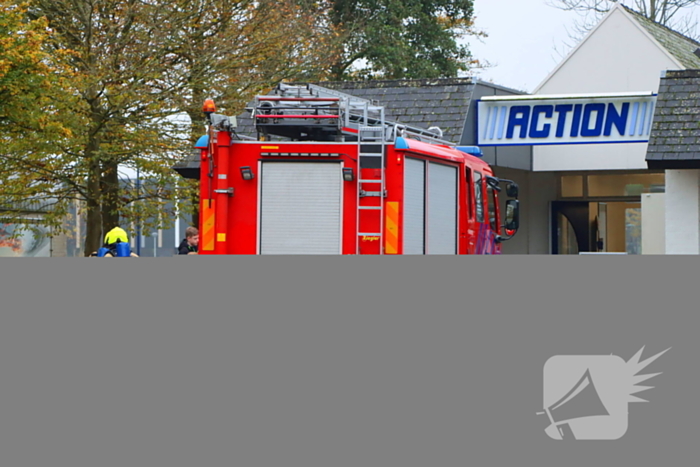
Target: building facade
[(675, 148), (592, 197)]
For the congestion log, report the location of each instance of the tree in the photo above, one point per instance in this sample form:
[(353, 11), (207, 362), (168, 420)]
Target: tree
[(130, 70), (671, 13), (401, 39), (234, 51), (114, 106), (30, 83), (23, 73)]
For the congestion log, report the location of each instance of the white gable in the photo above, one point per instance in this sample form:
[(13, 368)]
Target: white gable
[(617, 56)]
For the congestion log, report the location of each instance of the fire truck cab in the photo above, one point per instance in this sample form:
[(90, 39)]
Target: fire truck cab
[(327, 174)]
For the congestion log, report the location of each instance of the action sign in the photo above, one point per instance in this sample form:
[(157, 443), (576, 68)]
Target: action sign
[(576, 119)]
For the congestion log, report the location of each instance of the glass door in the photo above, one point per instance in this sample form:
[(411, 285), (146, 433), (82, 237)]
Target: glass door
[(616, 227), (571, 227)]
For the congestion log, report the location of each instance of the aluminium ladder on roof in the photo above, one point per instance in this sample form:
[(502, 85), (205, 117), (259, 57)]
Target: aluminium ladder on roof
[(306, 110), (299, 107), (296, 112)]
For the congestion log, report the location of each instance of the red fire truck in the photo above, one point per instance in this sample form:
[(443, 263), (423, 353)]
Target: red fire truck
[(327, 174)]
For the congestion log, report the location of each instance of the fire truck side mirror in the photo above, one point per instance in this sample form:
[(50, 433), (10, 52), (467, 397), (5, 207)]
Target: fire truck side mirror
[(512, 190), (512, 214)]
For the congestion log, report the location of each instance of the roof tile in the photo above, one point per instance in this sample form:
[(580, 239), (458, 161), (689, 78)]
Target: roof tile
[(675, 133), (678, 45)]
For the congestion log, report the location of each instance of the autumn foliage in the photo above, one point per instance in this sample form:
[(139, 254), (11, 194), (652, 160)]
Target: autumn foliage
[(109, 88), (93, 91)]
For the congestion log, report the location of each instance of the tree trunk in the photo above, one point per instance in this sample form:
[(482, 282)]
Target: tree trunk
[(93, 228), (110, 196)]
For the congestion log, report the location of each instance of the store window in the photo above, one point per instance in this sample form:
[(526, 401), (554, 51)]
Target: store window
[(625, 185)]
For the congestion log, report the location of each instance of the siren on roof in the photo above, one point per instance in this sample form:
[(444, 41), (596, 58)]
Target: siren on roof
[(209, 106), (472, 150), (202, 142)]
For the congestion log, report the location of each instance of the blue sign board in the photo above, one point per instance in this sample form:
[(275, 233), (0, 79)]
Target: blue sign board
[(539, 120)]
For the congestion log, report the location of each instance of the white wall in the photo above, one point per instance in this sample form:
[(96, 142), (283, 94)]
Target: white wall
[(682, 205), (653, 224), (618, 56), (622, 156)]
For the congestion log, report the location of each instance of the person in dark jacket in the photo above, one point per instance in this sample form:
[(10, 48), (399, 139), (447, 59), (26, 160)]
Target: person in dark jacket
[(190, 244)]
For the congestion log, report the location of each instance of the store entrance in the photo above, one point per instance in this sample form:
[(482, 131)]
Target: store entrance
[(598, 227)]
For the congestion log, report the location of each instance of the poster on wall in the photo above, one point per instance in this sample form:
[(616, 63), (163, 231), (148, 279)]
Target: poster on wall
[(30, 241)]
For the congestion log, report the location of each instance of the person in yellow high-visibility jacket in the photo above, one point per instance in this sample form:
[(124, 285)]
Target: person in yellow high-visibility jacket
[(115, 239)]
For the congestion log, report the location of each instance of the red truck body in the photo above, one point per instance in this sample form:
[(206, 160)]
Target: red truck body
[(331, 185)]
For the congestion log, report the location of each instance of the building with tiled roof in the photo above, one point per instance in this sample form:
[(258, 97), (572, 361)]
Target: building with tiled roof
[(675, 137), (422, 103), (674, 146), (596, 200)]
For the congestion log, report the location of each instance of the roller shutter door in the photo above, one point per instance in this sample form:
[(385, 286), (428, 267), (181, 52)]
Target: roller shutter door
[(300, 208), (414, 207), (442, 209)]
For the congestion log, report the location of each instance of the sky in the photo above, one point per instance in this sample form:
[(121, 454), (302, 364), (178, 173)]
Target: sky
[(522, 43), (527, 39)]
